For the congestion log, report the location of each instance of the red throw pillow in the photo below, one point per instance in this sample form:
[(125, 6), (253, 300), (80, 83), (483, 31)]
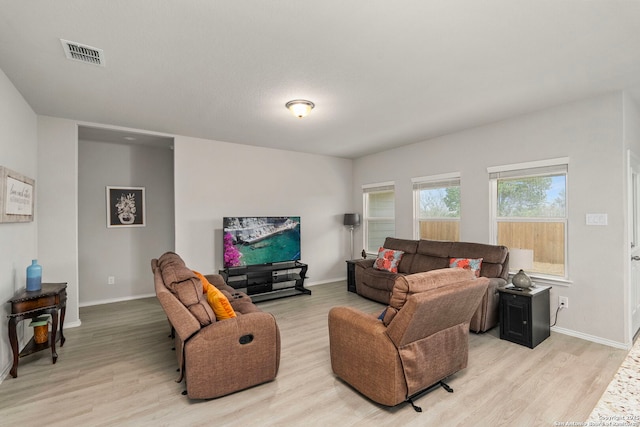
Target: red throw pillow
[(388, 260), (473, 264)]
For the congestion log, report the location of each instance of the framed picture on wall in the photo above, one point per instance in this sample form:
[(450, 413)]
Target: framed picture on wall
[(17, 194), (125, 207)]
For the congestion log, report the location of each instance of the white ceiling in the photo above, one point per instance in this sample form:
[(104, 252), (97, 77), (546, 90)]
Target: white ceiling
[(381, 73)]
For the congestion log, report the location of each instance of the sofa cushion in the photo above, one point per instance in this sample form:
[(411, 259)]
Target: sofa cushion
[(388, 260), (431, 255), (421, 282), (489, 253), (473, 264), (169, 258), (189, 292), (434, 248), (173, 269), (173, 273), (423, 263), (185, 285)]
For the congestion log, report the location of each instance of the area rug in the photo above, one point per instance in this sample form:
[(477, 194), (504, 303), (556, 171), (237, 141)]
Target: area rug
[(620, 403)]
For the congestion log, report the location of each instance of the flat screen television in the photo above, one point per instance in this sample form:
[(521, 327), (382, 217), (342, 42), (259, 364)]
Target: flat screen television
[(254, 240)]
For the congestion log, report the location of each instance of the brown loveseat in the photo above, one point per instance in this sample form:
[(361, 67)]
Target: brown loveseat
[(215, 357), (423, 338), (426, 255)]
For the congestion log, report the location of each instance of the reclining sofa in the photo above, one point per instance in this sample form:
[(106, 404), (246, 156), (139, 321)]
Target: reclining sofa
[(215, 357), (426, 255)]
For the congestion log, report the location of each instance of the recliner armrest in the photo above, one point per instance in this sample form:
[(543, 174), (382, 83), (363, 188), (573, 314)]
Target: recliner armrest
[(486, 316), (218, 281), (364, 263), (363, 355), (357, 321), (495, 283), (238, 326)]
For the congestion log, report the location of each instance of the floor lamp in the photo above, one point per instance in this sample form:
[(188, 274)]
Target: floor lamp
[(351, 220)]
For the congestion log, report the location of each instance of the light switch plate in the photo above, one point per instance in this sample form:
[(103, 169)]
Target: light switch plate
[(597, 219)]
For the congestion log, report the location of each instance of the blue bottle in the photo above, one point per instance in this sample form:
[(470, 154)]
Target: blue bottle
[(34, 276)]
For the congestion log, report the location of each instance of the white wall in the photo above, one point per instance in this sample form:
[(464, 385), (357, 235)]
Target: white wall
[(58, 207), (123, 253), (590, 134), (215, 179), (18, 241)]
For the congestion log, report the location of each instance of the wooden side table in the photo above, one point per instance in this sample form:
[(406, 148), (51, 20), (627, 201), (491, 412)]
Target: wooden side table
[(524, 315), (51, 299)]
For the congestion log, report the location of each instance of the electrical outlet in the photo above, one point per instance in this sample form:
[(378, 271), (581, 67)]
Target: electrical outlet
[(111, 280), (563, 302)]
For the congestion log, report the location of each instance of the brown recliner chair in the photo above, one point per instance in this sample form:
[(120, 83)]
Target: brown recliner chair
[(423, 338), (215, 357)]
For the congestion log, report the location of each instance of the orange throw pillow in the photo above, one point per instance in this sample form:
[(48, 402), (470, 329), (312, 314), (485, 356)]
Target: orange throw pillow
[(216, 299)]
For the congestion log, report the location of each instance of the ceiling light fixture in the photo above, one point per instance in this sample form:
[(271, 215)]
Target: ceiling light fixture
[(300, 107)]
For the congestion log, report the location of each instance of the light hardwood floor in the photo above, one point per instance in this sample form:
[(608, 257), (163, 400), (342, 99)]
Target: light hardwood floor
[(118, 369)]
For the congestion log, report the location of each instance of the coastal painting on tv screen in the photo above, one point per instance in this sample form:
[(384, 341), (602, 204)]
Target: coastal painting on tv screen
[(260, 240)]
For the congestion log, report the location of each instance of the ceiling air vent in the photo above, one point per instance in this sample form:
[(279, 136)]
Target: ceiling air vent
[(83, 53)]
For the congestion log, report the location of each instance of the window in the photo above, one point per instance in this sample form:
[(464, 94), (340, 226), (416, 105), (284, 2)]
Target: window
[(436, 202), (529, 211), (379, 215)]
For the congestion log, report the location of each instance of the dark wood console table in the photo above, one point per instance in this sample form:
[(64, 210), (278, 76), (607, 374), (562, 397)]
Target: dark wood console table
[(51, 299)]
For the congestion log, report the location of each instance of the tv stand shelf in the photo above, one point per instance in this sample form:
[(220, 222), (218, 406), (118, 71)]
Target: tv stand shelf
[(269, 281)]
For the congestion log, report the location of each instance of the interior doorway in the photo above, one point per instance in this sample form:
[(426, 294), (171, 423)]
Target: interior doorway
[(634, 241), (113, 262)]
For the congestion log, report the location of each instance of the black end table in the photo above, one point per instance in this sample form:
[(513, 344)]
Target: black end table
[(524, 315), (351, 274)]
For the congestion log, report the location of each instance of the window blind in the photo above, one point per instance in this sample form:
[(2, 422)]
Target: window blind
[(443, 183), (530, 169), (378, 188)]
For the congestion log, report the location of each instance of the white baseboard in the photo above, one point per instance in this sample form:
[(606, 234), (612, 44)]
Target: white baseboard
[(322, 282), (110, 300), (72, 324), (591, 338)]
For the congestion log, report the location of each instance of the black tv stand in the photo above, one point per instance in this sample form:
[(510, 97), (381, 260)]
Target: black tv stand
[(268, 281)]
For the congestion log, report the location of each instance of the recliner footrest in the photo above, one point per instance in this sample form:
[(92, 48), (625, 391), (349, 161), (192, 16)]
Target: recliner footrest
[(425, 391)]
